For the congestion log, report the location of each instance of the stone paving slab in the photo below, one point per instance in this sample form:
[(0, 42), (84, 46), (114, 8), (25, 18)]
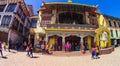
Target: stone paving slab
[(15, 58)]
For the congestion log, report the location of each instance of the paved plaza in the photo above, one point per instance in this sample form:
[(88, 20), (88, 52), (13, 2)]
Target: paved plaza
[(15, 58)]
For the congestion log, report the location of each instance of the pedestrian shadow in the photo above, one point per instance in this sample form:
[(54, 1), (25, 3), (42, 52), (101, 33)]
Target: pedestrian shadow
[(98, 58), (13, 52), (35, 57), (4, 57)]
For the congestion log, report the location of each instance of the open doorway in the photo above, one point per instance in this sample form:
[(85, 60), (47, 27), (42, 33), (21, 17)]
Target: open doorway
[(74, 43)]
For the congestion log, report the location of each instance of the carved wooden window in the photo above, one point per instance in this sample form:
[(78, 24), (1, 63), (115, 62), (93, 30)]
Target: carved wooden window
[(6, 20)]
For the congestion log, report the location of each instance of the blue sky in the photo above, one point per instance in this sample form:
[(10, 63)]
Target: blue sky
[(109, 7)]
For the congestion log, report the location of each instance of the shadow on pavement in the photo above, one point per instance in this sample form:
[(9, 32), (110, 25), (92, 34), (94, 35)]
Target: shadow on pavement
[(4, 57), (13, 52), (35, 57)]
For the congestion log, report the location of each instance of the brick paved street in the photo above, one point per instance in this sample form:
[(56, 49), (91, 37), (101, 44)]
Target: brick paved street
[(20, 59)]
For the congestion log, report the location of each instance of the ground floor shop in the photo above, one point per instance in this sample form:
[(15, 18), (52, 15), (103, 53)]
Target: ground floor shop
[(77, 41)]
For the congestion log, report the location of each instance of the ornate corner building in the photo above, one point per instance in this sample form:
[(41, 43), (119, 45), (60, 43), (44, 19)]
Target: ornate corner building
[(79, 24), (14, 20)]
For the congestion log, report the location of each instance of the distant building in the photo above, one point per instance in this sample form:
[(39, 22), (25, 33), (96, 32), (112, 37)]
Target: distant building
[(14, 20), (113, 24)]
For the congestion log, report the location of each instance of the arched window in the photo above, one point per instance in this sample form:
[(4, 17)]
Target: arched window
[(115, 24), (110, 23)]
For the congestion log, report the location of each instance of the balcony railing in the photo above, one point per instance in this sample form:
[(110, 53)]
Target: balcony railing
[(71, 26)]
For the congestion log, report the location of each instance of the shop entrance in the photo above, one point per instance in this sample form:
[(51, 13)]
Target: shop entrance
[(88, 42), (55, 43), (74, 43)]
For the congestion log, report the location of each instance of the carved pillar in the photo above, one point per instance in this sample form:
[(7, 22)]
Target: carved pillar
[(63, 43), (46, 38), (95, 41), (81, 43)]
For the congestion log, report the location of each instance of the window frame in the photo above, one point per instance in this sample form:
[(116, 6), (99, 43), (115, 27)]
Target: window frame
[(6, 20), (11, 7), (111, 31), (110, 24)]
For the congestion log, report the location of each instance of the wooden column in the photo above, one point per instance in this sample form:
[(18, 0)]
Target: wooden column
[(63, 43), (81, 43)]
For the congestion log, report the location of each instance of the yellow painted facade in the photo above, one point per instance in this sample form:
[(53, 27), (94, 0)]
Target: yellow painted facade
[(51, 42), (96, 33), (89, 42)]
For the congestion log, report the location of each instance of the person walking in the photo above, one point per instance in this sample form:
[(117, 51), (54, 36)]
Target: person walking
[(97, 52), (1, 49), (46, 49), (17, 45), (93, 52), (28, 50), (4, 45), (31, 50), (67, 46), (24, 45), (43, 48), (9, 45)]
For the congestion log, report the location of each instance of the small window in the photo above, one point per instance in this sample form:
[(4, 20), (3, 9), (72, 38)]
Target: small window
[(20, 28), (2, 8), (115, 24), (15, 23), (34, 23), (116, 33), (119, 24), (110, 23), (111, 33)]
